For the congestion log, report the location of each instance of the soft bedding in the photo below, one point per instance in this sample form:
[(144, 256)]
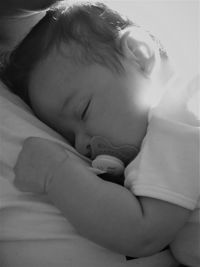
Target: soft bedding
[(32, 231)]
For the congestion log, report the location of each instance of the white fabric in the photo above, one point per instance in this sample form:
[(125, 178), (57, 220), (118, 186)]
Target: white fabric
[(167, 167), (16, 124)]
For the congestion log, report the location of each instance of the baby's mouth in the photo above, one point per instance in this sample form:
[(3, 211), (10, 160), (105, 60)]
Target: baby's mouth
[(101, 146)]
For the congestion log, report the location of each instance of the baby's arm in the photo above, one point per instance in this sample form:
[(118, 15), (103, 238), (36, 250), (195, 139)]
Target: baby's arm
[(111, 215), (104, 212)]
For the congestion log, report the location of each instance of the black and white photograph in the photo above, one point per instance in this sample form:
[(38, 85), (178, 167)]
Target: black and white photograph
[(99, 133)]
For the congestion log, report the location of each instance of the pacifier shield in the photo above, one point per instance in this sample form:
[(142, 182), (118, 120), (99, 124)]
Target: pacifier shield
[(101, 146)]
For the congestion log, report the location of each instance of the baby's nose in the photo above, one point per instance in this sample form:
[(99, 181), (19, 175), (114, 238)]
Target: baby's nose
[(82, 145)]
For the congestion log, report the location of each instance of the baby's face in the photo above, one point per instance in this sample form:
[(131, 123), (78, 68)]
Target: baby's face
[(86, 101)]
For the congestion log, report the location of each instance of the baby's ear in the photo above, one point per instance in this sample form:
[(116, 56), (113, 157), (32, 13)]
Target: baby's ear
[(138, 47)]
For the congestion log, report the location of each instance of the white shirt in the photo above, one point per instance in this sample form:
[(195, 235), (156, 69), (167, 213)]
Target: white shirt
[(167, 167)]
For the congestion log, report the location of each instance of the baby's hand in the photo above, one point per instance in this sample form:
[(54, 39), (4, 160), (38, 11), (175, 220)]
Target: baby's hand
[(37, 163)]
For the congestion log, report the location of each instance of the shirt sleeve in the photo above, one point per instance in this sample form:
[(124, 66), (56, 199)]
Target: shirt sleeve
[(167, 167)]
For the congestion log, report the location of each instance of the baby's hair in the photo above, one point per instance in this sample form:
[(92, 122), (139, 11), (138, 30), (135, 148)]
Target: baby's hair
[(90, 29)]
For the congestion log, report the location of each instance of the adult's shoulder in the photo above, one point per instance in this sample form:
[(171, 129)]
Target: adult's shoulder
[(20, 7)]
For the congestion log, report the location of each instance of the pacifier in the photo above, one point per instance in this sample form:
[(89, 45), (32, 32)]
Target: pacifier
[(108, 164), (109, 158)]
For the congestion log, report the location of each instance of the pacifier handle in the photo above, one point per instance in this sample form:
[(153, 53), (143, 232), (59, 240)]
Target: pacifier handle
[(108, 164)]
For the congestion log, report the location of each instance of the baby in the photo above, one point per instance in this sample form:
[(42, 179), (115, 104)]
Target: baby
[(93, 75)]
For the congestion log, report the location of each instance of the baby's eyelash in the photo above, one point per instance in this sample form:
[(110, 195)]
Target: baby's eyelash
[(85, 110)]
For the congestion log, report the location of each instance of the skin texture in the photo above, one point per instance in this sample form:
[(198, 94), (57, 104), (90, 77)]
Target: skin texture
[(104, 212), (89, 104)]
